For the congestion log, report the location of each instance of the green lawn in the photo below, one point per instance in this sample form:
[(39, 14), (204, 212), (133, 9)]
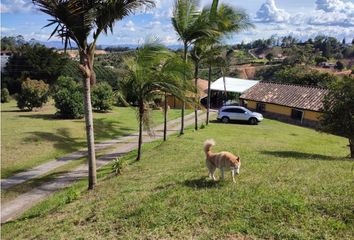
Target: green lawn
[(31, 138), (295, 183)]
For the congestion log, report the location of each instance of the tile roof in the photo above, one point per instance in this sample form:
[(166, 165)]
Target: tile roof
[(303, 97)]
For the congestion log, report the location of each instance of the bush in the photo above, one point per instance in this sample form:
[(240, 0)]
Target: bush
[(339, 65), (102, 97), (34, 94), (118, 165), (69, 99), (5, 95)]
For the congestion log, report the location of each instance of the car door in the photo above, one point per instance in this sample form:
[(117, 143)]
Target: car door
[(240, 114)]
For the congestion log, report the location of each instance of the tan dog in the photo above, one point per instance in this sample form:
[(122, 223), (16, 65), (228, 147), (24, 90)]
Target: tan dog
[(221, 160)]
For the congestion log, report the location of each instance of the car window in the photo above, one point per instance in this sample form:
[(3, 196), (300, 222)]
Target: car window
[(237, 110), (233, 110)]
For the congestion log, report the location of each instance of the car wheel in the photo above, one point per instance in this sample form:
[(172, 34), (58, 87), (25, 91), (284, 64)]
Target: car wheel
[(225, 119), (253, 121)]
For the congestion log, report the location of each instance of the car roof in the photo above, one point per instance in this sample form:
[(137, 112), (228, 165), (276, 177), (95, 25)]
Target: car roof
[(233, 107)]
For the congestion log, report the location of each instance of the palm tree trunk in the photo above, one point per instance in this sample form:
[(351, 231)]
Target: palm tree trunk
[(165, 119), (140, 142), (209, 93), (87, 71), (183, 103), (196, 96)]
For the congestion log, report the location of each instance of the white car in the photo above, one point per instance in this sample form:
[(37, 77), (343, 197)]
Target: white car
[(229, 113)]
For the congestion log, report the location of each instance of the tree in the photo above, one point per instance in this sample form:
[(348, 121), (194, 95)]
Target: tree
[(149, 73), (68, 98), (338, 111), (190, 25), (35, 62), (34, 94), (224, 20), (102, 97), (75, 21), (269, 57), (339, 65)]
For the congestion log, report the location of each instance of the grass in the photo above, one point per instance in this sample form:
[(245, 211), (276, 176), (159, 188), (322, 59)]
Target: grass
[(295, 183), (32, 138)]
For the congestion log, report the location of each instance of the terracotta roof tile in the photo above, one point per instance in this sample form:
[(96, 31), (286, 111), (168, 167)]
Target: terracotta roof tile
[(304, 97)]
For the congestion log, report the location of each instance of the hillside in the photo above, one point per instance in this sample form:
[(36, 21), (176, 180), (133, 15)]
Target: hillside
[(294, 183)]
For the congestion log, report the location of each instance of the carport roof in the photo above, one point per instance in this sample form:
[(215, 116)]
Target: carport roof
[(233, 84)]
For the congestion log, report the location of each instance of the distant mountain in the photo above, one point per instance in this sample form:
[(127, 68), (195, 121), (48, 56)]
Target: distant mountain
[(60, 45)]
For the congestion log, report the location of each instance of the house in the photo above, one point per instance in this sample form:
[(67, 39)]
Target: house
[(291, 103), (174, 102)]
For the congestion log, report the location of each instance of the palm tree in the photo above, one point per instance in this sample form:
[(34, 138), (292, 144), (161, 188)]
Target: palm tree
[(226, 20), (190, 25), (76, 20), (149, 73)]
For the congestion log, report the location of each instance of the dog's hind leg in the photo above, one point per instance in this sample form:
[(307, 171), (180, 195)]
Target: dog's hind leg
[(222, 173), (212, 172)]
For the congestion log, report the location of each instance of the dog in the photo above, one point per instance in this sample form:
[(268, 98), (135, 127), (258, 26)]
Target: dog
[(221, 160)]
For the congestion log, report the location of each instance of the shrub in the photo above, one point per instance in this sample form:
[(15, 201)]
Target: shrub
[(118, 165), (69, 99), (339, 65), (34, 94), (5, 95), (102, 97)]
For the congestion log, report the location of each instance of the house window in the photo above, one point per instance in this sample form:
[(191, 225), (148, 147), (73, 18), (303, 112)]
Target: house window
[(297, 114), (261, 107)]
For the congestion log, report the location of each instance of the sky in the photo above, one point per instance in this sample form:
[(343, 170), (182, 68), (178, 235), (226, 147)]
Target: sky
[(302, 19)]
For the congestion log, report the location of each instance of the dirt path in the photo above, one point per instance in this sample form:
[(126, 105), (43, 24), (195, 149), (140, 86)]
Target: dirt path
[(13, 209)]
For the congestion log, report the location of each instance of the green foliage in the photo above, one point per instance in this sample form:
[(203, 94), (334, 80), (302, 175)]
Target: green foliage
[(118, 165), (5, 95), (71, 195), (297, 74), (339, 65), (102, 97), (320, 59), (69, 99), (34, 94), (269, 56), (33, 61), (338, 113), (103, 73)]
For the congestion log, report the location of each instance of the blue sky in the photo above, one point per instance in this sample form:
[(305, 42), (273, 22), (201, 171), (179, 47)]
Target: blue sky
[(300, 18)]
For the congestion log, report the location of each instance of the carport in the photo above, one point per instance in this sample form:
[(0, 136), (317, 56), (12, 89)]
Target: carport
[(230, 91)]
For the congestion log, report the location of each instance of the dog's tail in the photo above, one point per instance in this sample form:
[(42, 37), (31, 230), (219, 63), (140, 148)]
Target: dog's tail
[(208, 144)]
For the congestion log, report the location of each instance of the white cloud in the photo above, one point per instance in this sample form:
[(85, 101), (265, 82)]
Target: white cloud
[(6, 30), (335, 6), (130, 26), (269, 12), (16, 6)]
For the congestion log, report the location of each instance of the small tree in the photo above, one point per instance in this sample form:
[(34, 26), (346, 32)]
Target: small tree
[(69, 99), (34, 94), (338, 111), (102, 97), (5, 95), (339, 65), (270, 57)]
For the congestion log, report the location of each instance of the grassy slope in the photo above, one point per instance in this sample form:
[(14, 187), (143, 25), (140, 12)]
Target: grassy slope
[(31, 138), (294, 184)]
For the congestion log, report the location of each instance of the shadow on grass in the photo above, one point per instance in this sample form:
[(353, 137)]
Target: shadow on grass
[(201, 183), (232, 122), (62, 139), (110, 129), (303, 156), (40, 116)]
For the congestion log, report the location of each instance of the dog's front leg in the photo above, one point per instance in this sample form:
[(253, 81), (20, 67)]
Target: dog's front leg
[(222, 173), (233, 175)]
